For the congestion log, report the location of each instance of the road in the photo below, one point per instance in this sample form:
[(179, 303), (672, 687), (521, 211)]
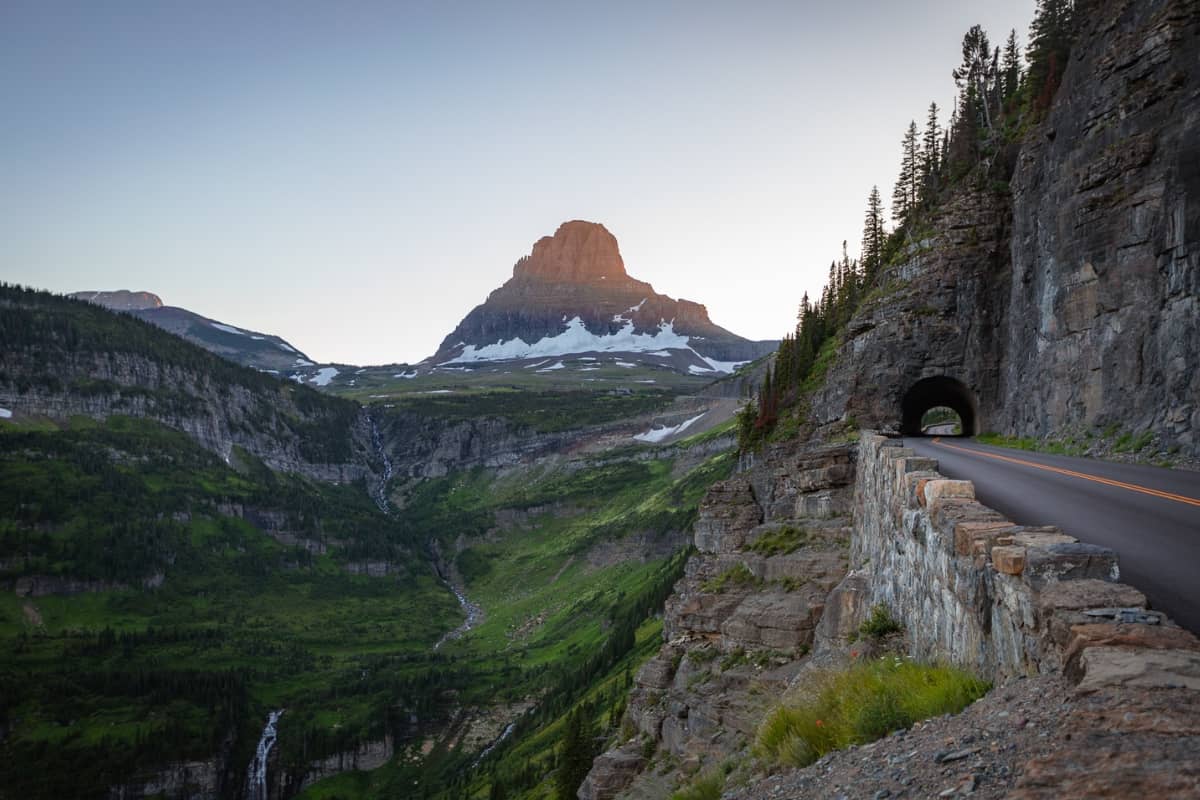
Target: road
[(1149, 515)]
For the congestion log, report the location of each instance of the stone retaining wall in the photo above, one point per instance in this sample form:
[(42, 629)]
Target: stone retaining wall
[(1004, 600)]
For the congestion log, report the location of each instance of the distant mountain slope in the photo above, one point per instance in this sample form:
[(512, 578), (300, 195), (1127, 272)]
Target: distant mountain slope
[(261, 351), (63, 358), (571, 295)]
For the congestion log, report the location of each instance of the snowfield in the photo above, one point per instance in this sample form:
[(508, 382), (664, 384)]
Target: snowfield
[(324, 376), (656, 435), (228, 329), (576, 338)]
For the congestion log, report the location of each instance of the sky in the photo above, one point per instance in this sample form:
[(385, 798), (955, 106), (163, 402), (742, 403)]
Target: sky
[(356, 176)]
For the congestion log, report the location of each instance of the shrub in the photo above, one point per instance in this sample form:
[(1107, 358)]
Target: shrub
[(880, 623), (861, 704)]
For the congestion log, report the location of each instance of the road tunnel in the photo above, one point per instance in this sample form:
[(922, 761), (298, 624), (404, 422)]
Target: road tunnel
[(930, 393)]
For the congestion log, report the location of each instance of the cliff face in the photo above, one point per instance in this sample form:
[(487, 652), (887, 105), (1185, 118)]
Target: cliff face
[(1105, 300), (1072, 302)]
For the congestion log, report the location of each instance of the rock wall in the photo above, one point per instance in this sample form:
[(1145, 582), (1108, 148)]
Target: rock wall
[(974, 589), (1104, 312)]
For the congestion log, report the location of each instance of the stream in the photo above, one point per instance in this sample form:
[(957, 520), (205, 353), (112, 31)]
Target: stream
[(256, 774), (473, 611)]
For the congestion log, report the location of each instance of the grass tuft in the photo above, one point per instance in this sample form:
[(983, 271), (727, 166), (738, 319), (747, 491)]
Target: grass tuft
[(706, 787), (780, 541), (861, 704)]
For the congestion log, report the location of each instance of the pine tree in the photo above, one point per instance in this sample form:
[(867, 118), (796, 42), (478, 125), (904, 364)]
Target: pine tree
[(905, 195), (1010, 72), (873, 235), (575, 756), (930, 154), (1050, 37), (976, 76)]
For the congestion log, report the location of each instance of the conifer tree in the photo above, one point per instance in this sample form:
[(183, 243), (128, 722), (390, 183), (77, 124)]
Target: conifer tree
[(1010, 72), (906, 193), (976, 76), (1050, 37), (873, 235), (930, 154)]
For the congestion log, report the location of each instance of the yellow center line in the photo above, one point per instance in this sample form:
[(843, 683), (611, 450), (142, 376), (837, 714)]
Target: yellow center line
[(1132, 487)]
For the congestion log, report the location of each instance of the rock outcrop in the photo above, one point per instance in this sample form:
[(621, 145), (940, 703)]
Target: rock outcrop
[(121, 300), (738, 624), (579, 273)]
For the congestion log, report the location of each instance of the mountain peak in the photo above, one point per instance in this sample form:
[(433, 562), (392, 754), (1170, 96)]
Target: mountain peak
[(578, 252), (121, 300)]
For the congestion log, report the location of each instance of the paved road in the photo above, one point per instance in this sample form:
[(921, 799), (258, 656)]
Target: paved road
[(1149, 515)]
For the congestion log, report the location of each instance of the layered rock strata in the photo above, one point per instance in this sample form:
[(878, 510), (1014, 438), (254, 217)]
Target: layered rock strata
[(740, 621)]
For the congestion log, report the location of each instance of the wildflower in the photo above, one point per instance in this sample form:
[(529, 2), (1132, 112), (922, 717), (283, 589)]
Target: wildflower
[(819, 723)]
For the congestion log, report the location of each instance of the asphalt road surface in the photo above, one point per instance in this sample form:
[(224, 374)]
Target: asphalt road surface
[(1149, 515)]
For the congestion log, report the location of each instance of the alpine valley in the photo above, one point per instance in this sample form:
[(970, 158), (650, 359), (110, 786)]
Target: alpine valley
[(597, 547)]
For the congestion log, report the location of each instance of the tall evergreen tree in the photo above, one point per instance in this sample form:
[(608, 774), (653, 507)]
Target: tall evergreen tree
[(1010, 72), (1050, 37), (575, 756), (873, 236), (976, 75), (907, 191), (930, 154)]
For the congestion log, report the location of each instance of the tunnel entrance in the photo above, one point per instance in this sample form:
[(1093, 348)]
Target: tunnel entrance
[(933, 393)]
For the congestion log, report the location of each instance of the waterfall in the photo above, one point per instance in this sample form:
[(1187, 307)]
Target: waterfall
[(377, 443), (256, 775)]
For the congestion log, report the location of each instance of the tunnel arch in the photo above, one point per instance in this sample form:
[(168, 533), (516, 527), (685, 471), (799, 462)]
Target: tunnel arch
[(940, 390)]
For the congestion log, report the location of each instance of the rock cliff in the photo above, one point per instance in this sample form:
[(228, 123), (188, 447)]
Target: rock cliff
[(772, 544), (1067, 301)]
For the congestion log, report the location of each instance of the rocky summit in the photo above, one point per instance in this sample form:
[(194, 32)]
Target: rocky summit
[(572, 295)]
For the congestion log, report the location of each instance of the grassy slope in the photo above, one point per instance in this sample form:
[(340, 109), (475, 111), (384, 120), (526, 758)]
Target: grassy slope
[(549, 612)]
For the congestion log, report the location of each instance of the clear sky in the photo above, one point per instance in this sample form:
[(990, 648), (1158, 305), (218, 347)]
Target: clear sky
[(356, 176)]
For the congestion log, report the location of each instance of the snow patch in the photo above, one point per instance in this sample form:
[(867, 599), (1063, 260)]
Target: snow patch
[(624, 364), (656, 435), (285, 346), (576, 338), (5, 413), (554, 366), (538, 364), (406, 375), (439, 391), (229, 329), (324, 376), (300, 362)]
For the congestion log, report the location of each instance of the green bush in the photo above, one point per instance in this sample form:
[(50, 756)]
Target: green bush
[(861, 704), (880, 623)]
